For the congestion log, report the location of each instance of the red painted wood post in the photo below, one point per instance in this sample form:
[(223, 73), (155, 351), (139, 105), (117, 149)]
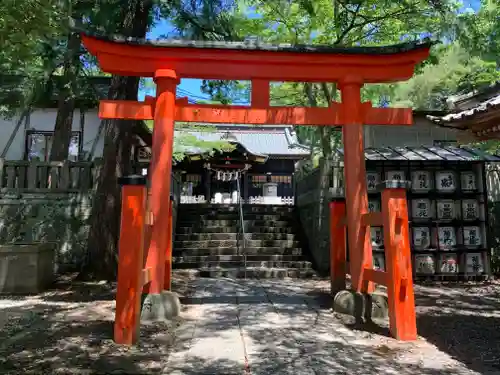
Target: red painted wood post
[(402, 319), (168, 254), (130, 260), (356, 194), (338, 250), (160, 171), (147, 235)]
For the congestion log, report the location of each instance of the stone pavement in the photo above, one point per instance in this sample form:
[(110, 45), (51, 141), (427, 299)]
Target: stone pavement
[(242, 327), (286, 327)]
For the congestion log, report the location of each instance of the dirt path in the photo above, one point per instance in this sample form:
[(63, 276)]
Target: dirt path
[(68, 330)]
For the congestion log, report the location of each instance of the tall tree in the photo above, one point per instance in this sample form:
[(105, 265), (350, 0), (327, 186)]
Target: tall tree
[(99, 13), (479, 32), (104, 222)]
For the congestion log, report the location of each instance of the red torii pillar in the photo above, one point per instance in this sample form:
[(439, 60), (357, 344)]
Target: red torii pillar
[(350, 68), (160, 247)]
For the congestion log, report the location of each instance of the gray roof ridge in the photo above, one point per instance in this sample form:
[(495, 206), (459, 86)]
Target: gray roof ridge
[(253, 44)]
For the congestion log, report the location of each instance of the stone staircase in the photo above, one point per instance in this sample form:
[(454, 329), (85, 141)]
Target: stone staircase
[(207, 239)]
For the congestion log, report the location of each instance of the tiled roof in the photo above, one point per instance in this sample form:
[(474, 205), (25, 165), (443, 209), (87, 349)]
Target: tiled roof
[(426, 153), (272, 141), (255, 45), (474, 98), (469, 114)]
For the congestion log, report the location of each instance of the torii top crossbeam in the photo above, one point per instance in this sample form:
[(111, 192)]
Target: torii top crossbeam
[(251, 60), (168, 61)]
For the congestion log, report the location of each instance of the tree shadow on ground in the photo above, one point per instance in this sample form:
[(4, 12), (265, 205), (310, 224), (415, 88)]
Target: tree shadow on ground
[(69, 330), (73, 347), (289, 333), (462, 320), (287, 328)]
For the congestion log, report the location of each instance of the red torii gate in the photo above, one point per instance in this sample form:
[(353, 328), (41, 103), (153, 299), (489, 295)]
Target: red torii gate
[(351, 68)]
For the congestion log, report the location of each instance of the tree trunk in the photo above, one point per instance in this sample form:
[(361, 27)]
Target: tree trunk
[(102, 251), (66, 101)]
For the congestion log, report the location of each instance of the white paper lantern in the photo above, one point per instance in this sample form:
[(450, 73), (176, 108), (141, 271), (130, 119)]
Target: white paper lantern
[(447, 238), (446, 181), (373, 206), (396, 175), (448, 263), (472, 236), (379, 262), (421, 181), (377, 237), (470, 209), (445, 210), (468, 181), (421, 238), (425, 264), (474, 263), (421, 209), (372, 179)]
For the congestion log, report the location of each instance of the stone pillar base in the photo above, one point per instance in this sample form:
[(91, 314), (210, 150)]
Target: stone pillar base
[(160, 307), (363, 307)]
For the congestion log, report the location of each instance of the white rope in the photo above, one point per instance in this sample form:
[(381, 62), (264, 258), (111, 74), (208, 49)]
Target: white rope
[(223, 175)]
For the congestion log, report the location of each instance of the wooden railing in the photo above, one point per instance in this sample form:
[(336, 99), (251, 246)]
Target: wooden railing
[(48, 176), (66, 176)]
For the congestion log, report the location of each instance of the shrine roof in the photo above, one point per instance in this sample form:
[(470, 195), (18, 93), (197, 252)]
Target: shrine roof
[(255, 45), (477, 112), (488, 105), (272, 141), (425, 153)]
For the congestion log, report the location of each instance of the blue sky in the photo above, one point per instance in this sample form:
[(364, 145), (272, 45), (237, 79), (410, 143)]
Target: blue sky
[(191, 87)]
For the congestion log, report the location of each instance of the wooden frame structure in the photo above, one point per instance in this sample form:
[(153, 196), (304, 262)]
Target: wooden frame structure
[(398, 277), (169, 61)]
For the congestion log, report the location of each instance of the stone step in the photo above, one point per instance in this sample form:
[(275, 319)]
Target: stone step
[(303, 265), (223, 208), (236, 251), (190, 229), (250, 272), (233, 236), (197, 222), (237, 258), (195, 216), (234, 243)]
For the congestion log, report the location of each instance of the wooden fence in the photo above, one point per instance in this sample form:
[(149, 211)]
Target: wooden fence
[(66, 176)]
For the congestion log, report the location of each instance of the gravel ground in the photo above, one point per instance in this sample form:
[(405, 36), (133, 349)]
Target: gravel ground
[(68, 330)]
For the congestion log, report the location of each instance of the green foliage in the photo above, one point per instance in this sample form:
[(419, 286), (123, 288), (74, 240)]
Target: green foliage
[(34, 39), (480, 33), (455, 72), (186, 140), (364, 22)]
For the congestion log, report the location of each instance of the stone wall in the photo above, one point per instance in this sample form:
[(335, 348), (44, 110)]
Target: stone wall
[(52, 202), (62, 218), (314, 191)]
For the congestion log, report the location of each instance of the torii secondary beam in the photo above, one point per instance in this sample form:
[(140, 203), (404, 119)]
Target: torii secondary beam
[(223, 114)]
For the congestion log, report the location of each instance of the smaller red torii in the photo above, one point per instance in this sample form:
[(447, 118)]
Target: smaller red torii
[(351, 68)]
